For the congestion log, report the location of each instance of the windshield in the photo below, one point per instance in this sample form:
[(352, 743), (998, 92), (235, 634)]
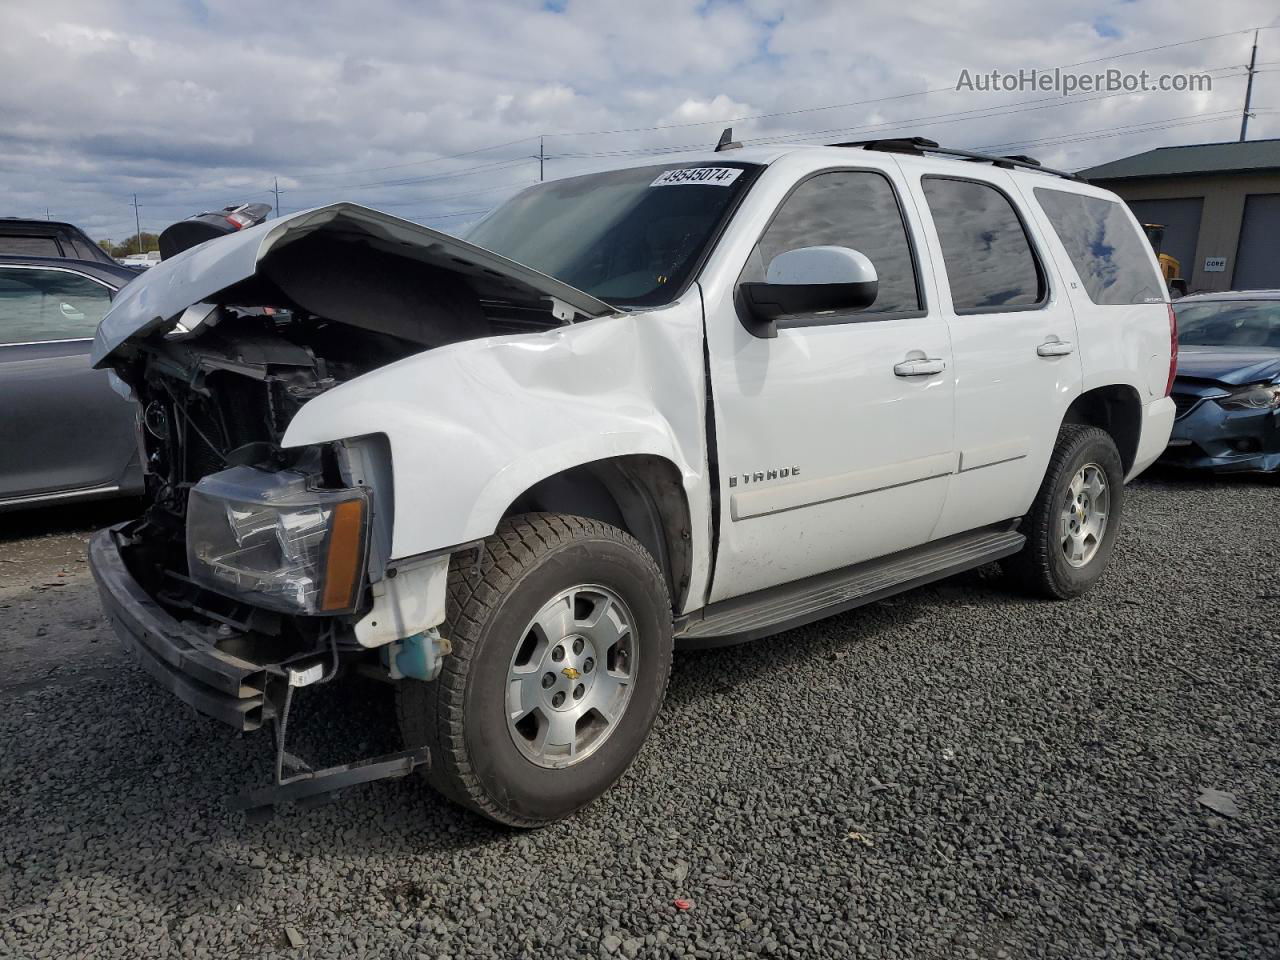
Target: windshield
[(630, 237), (1230, 323)]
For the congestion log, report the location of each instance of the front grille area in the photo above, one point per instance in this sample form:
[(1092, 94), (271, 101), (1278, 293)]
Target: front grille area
[(1184, 403)]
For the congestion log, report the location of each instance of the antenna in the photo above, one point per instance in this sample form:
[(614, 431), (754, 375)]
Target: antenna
[(727, 142)]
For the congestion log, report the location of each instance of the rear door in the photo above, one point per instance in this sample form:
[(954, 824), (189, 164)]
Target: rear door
[(1013, 340), (62, 427)]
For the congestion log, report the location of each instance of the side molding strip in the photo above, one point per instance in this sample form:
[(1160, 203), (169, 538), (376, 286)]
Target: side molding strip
[(1014, 449), (745, 504)]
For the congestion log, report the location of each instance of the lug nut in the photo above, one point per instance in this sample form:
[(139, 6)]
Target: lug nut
[(578, 691), (588, 665), (577, 645), (548, 681), (557, 654), (558, 699)]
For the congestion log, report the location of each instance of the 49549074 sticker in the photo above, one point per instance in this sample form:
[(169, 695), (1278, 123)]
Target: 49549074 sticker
[(698, 176)]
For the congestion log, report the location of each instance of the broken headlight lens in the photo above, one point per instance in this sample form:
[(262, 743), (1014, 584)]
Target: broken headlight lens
[(275, 540), (1256, 396)]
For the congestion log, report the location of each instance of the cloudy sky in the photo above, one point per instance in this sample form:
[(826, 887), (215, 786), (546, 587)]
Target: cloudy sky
[(193, 104)]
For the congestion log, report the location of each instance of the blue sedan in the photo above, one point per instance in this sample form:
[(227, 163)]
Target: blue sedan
[(1227, 388)]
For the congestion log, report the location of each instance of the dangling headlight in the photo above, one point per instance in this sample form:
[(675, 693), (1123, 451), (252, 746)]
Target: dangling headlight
[(277, 540), (1256, 396)]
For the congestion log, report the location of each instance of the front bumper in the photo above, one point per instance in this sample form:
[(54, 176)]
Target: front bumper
[(179, 657), (1209, 437)]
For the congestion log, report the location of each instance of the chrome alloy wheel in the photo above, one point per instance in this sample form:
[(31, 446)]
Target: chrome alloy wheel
[(571, 676), (1084, 514)]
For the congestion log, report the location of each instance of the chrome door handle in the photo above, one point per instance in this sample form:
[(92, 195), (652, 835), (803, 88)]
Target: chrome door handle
[(1055, 348), (919, 368)]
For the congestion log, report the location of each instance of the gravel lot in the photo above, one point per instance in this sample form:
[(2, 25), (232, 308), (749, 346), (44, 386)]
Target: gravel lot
[(953, 773)]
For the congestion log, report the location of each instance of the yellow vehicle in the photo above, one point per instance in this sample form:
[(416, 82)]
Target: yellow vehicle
[(1170, 268)]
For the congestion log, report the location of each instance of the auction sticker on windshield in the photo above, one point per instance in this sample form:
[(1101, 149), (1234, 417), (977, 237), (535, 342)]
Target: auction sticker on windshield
[(708, 176)]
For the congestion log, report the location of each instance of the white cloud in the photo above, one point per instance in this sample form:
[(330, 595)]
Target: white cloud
[(196, 104)]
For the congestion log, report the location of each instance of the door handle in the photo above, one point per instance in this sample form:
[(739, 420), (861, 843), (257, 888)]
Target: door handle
[(1055, 348), (919, 368)]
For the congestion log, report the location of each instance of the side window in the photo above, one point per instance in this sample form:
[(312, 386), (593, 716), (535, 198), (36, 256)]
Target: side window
[(1105, 248), (23, 246), (38, 305), (989, 261), (847, 208)]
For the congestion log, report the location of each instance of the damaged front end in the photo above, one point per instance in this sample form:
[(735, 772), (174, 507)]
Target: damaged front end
[(258, 568)]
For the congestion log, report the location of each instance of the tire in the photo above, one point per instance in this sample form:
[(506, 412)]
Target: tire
[(480, 761), (1042, 568)]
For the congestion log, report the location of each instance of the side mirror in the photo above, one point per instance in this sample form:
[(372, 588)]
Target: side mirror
[(806, 281)]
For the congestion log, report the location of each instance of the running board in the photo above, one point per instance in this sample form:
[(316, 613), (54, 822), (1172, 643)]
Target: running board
[(795, 604)]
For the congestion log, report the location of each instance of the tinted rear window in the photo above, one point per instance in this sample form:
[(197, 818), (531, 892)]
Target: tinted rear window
[(1112, 258), (29, 246), (990, 264)]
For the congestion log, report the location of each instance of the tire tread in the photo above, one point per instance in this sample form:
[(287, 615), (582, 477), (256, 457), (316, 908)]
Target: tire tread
[(1031, 569), (477, 586)]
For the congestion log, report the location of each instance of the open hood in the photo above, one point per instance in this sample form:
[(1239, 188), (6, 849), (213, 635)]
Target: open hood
[(1232, 365), (266, 264)]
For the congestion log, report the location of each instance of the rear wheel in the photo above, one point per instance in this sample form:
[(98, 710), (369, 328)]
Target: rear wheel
[(561, 637), (1072, 525)]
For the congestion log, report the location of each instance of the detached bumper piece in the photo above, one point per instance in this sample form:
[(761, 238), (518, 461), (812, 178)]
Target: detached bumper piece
[(312, 787), (179, 658), (227, 688)]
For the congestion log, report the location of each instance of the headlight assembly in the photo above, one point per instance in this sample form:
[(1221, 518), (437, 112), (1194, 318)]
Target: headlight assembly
[(277, 540), (1256, 396)]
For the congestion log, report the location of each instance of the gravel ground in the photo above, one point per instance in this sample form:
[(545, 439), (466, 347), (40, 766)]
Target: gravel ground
[(953, 773)]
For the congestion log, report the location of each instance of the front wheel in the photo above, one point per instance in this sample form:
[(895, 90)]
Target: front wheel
[(1072, 525), (561, 635)]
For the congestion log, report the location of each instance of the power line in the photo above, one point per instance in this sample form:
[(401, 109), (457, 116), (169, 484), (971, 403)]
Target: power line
[(1150, 126), (952, 116), (899, 96), (455, 196), (741, 119), (407, 181), (418, 163)]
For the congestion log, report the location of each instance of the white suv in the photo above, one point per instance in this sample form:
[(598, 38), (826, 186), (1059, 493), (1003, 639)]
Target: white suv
[(691, 403)]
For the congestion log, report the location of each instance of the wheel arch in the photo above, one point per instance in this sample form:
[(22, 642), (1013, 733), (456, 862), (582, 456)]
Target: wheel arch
[(642, 494), (1115, 408)]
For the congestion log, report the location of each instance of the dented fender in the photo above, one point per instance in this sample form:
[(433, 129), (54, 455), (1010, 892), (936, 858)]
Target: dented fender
[(473, 425)]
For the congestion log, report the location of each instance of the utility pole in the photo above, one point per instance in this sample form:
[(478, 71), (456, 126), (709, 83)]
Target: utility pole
[(540, 156), (1248, 88), (46, 214), (137, 222), (275, 188)]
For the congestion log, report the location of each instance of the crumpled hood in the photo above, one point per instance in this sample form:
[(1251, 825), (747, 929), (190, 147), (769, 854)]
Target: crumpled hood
[(152, 304), (1232, 365)]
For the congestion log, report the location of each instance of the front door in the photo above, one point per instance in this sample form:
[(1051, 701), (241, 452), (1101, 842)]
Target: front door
[(833, 440)]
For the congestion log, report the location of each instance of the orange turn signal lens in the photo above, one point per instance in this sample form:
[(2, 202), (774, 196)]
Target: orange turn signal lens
[(346, 552)]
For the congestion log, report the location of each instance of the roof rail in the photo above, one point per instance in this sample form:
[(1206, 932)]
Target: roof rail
[(919, 146)]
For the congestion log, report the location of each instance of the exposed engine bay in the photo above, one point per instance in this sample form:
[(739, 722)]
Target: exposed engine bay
[(335, 295)]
